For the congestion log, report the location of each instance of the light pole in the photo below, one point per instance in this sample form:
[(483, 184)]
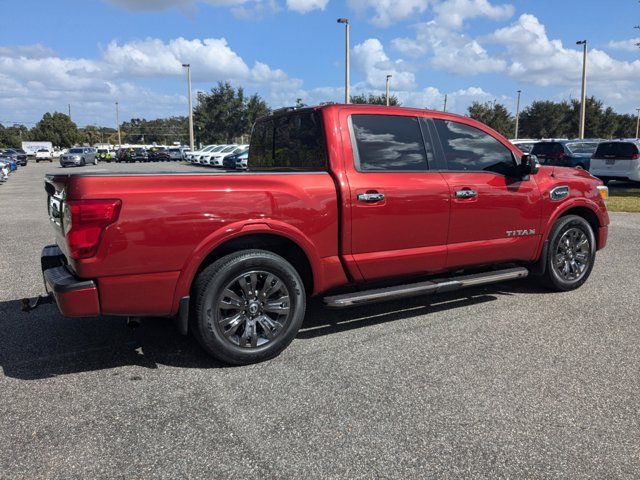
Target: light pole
[(638, 124), (518, 114), (583, 108), (388, 78), (347, 97), (118, 125), (69, 105), (188, 67), (445, 103)]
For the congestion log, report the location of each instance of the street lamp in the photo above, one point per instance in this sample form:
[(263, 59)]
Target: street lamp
[(388, 77), (444, 108), (638, 124), (188, 67), (583, 108), (347, 98), (118, 125), (517, 114)]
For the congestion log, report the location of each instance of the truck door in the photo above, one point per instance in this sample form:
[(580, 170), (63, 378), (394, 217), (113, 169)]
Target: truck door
[(398, 201), (495, 213)]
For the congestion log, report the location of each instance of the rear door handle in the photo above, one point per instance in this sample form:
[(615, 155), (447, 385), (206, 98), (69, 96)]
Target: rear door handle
[(466, 193), (370, 197)]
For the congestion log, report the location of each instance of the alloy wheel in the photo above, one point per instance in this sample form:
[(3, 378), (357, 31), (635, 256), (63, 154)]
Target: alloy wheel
[(253, 309), (572, 255)]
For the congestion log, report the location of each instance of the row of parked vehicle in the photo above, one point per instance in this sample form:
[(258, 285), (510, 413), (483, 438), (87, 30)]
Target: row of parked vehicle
[(605, 159), (229, 156), (10, 159)]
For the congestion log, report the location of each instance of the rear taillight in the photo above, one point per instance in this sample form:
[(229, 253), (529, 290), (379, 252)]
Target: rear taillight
[(84, 221), (635, 156)]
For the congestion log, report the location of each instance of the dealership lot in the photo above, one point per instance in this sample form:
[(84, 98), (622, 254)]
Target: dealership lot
[(507, 380)]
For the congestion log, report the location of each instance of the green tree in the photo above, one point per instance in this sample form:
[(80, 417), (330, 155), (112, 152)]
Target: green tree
[(494, 115), (225, 114), (56, 128), (159, 130), (13, 136), (373, 99), (546, 119)]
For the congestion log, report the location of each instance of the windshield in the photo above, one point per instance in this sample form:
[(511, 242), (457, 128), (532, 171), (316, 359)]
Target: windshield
[(218, 148), (585, 148), (208, 148), (76, 150), (229, 149)]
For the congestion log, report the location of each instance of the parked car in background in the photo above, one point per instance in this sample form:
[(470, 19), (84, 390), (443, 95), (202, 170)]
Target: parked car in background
[(78, 157), (565, 153), (205, 158), (217, 159), (4, 169), (18, 155), (236, 161), (9, 161), (195, 155), (175, 153), (137, 154), (158, 154), (200, 157), (104, 155), (525, 146), (617, 160), (44, 155)]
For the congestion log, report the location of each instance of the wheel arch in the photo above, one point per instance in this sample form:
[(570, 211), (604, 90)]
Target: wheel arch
[(297, 251)]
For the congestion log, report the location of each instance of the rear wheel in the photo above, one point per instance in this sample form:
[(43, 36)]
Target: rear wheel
[(248, 307), (571, 254)]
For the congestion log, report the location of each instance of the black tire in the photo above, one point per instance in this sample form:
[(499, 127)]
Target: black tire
[(37, 161), (209, 293), (554, 277)]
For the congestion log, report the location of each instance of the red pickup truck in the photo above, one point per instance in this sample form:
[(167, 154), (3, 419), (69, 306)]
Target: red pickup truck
[(356, 203)]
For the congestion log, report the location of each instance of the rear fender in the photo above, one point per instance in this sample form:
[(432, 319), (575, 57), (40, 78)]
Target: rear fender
[(240, 229)]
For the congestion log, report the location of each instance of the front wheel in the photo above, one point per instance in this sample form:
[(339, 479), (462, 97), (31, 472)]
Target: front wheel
[(95, 161), (247, 307), (571, 254)]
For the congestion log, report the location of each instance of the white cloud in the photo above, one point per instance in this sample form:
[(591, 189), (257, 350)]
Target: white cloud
[(533, 57), (388, 12), (370, 59), (44, 81), (453, 13), (306, 6), (629, 45)]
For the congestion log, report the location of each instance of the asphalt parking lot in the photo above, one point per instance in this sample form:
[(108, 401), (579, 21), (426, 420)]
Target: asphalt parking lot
[(507, 381)]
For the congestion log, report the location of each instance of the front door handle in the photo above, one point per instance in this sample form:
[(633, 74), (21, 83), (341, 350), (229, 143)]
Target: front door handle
[(370, 197), (466, 193)]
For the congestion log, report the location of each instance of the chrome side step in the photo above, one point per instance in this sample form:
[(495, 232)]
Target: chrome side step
[(424, 288)]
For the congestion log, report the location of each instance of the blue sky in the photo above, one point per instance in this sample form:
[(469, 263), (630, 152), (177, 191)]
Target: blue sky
[(92, 53)]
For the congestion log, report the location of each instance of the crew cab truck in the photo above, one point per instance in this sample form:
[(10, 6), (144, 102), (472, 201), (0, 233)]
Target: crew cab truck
[(355, 203)]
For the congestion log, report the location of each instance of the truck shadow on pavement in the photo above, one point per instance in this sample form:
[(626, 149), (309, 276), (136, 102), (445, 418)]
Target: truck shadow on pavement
[(43, 344)]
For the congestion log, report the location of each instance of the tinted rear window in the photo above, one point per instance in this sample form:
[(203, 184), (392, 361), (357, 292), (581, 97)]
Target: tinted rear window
[(582, 148), (616, 150), (289, 142), (547, 148)]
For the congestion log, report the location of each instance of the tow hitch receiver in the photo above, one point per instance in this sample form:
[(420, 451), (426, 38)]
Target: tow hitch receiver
[(28, 305)]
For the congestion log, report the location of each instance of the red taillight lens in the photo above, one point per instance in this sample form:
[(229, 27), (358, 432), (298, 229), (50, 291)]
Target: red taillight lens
[(84, 221), (635, 156)]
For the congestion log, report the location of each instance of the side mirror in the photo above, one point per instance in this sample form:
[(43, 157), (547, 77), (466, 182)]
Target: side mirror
[(529, 164)]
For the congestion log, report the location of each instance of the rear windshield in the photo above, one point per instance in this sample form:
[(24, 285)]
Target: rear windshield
[(76, 150), (288, 142), (616, 150), (582, 147), (547, 148)]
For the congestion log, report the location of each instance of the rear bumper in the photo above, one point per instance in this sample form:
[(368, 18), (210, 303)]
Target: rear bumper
[(75, 297)]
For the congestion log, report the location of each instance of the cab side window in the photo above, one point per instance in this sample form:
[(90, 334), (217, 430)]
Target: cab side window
[(467, 148), (389, 143)]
